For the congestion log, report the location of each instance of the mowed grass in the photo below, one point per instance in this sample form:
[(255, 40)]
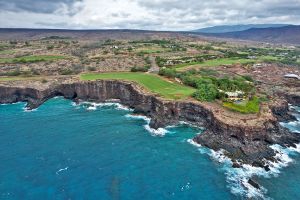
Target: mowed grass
[(225, 61), (31, 59), (251, 106), (214, 63), (151, 82)]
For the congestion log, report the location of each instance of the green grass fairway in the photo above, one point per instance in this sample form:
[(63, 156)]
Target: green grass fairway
[(30, 59), (214, 63), (153, 83), (225, 61)]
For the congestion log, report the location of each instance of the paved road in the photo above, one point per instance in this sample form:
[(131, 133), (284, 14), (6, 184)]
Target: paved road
[(154, 67)]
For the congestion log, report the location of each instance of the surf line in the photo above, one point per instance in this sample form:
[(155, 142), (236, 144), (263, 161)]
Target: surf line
[(62, 169)]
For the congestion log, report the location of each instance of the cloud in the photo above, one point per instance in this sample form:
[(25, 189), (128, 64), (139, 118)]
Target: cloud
[(41, 6), (145, 14)]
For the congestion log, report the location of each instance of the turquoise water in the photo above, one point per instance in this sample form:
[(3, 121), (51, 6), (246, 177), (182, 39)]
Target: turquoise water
[(63, 151)]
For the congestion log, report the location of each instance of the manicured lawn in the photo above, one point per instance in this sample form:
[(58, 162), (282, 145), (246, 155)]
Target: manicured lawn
[(183, 65), (251, 106), (30, 59), (153, 83), (214, 63), (225, 61)]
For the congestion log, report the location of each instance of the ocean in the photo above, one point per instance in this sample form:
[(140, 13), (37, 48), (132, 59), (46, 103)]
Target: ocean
[(103, 151)]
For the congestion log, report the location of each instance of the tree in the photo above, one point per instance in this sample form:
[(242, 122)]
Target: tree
[(167, 72), (206, 92)]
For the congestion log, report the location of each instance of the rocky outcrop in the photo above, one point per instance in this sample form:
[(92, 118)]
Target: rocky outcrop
[(293, 98), (281, 110), (245, 143)]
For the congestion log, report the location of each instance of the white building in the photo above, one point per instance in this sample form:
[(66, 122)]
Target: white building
[(295, 76)]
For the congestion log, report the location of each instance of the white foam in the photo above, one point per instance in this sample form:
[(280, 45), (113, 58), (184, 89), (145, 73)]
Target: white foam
[(192, 142), (297, 149), (29, 110), (62, 169), (6, 104), (143, 117), (156, 132), (74, 104), (201, 149), (94, 106), (237, 178), (293, 126)]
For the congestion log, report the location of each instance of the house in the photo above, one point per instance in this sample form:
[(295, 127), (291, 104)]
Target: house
[(234, 96), (294, 76), (257, 65)]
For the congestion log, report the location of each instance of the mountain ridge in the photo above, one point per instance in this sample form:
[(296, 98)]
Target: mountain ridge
[(287, 34), (234, 28)]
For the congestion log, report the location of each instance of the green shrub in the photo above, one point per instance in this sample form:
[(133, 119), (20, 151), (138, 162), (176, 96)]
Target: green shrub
[(248, 78), (16, 72), (66, 72), (140, 69), (147, 60), (167, 72), (90, 68), (206, 92), (50, 47)]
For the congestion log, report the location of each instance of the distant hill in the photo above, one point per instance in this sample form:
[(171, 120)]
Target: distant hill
[(30, 34), (234, 28), (286, 34)]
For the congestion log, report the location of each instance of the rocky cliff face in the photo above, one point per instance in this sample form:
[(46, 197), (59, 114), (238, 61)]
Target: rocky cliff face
[(248, 144)]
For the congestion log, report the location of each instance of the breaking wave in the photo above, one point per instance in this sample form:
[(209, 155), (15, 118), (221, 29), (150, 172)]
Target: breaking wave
[(237, 178), (94, 106), (155, 132)]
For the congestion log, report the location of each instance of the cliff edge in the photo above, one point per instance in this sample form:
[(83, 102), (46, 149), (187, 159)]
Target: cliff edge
[(244, 139)]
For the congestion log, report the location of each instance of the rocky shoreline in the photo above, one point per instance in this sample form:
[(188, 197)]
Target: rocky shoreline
[(244, 143)]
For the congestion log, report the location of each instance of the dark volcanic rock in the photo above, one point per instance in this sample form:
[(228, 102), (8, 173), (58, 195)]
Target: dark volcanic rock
[(236, 165), (253, 183), (281, 111)]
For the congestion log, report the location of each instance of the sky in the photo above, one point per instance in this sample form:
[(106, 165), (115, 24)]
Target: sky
[(145, 14)]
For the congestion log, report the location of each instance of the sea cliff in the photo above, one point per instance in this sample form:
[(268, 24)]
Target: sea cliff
[(244, 140)]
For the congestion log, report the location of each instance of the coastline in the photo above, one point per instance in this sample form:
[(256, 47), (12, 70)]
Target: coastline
[(244, 143)]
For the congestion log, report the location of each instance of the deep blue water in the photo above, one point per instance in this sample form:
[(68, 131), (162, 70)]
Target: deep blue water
[(62, 151)]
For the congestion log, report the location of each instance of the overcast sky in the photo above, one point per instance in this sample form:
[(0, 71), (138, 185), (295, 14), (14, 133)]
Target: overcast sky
[(144, 14)]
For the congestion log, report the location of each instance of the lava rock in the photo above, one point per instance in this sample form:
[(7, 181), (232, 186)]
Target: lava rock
[(253, 183), (267, 168), (236, 165)]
